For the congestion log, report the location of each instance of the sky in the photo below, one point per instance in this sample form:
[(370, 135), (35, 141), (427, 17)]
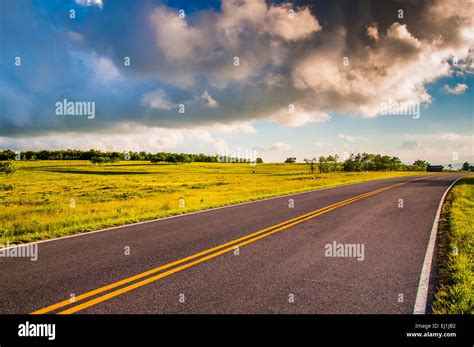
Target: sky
[(279, 79)]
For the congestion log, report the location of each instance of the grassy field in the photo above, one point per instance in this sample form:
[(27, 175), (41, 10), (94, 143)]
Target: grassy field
[(47, 199), (456, 288)]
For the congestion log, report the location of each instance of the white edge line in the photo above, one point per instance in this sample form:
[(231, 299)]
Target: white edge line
[(202, 211), (423, 285)]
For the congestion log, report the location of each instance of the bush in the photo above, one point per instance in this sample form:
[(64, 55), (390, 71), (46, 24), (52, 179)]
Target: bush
[(7, 167), (104, 160), (7, 186)]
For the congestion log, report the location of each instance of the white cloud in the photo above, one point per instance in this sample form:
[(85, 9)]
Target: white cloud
[(248, 29), (98, 3), (277, 146), (273, 80), (299, 117), (234, 127), (373, 32), (275, 20), (279, 22), (281, 146), (458, 89), (373, 77), (441, 148), (75, 36), (175, 37), (132, 137), (104, 69), (282, 60), (157, 99), (456, 137), (208, 100), (411, 145), (397, 64), (324, 148), (351, 138)]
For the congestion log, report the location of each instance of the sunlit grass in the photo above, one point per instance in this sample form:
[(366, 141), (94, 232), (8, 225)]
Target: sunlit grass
[(46, 199), (456, 288)]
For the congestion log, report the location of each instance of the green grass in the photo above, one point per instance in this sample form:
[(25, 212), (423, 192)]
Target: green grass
[(455, 293), (47, 199)]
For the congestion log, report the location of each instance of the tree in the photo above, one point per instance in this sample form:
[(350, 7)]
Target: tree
[(171, 158), (290, 160), (465, 166), (7, 168), (369, 162), (158, 157), (7, 155), (323, 164), (311, 163), (186, 158), (329, 160), (421, 163), (336, 158), (259, 161), (450, 167), (349, 164)]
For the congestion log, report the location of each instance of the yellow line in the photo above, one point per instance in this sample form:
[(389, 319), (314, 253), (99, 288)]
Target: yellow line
[(280, 226)]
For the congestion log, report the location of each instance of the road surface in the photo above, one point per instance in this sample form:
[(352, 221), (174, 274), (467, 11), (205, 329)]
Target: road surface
[(269, 256)]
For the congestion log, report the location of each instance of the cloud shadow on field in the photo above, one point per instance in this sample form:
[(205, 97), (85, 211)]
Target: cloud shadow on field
[(105, 173)]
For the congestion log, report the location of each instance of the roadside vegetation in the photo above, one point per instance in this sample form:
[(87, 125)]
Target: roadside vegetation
[(455, 292), (50, 198)]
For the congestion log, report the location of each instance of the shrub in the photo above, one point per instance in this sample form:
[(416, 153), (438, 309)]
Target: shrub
[(7, 167), (7, 186)]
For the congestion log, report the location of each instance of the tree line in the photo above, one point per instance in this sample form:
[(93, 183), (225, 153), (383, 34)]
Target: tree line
[(364, 162), (100, 157), (356, 163)]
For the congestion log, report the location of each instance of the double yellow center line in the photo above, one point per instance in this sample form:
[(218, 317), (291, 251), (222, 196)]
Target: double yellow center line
[(192, 260)]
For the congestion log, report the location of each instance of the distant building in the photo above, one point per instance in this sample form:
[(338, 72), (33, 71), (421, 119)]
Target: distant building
[(434, 168)]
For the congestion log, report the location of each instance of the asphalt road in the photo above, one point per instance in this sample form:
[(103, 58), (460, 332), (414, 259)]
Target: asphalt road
[(280, 270)]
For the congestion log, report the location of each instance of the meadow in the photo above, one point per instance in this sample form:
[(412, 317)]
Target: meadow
[(455, 293), (47, 199)]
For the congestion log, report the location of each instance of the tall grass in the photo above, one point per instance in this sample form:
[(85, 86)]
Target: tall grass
[(455, 293)]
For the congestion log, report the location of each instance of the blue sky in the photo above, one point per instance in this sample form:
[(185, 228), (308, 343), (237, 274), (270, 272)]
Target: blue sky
[(312, 77)]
